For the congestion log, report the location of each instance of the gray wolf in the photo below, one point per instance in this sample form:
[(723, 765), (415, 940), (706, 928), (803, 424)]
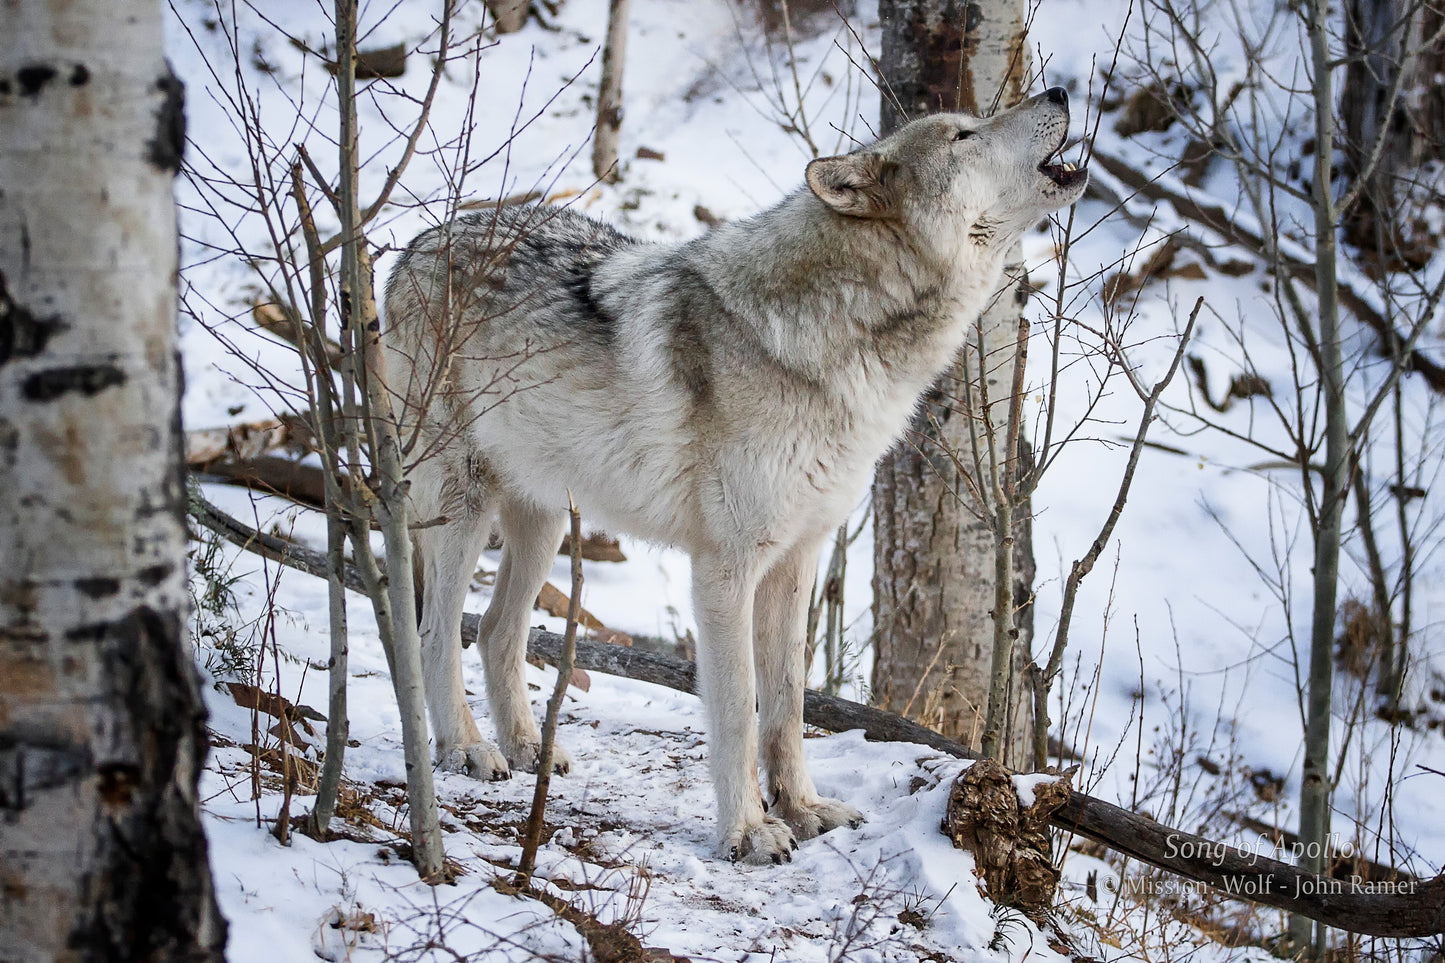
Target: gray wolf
[(728, 396)]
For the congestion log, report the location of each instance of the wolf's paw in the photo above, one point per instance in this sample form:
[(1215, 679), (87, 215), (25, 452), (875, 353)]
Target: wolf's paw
[(769, 843), (814, 819), (526, 755), (480, 760)]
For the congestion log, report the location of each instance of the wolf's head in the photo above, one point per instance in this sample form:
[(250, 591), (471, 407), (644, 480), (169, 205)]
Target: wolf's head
[(956, 179)]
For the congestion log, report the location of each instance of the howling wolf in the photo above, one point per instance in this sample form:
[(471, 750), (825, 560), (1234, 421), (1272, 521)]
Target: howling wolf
[(728, 396)]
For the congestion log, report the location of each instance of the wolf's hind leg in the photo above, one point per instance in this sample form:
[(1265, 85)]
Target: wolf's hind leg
[(780, 616), (446, 557), (530, 537)]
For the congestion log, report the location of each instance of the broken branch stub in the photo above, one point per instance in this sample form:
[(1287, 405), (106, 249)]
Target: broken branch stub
[(1010, 842)]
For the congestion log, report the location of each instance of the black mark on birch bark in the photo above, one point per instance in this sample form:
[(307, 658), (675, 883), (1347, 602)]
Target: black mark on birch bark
[(165, 149), (87, 379), (152, 892), (154, 575), (22, 334), (99, 587), (33, 78), (34, 764), (118, 782)]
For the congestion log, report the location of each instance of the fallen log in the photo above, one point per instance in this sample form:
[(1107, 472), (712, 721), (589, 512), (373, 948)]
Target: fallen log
[(380, 62), (596, 547), (205, 446), (215, 455), (555, 603), (274, 475), (247, 455), (1400, 909), (273, 547), (289, 552), (278, 320)]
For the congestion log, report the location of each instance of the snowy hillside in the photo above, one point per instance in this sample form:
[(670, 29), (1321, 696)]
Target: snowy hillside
[(1179, 694)]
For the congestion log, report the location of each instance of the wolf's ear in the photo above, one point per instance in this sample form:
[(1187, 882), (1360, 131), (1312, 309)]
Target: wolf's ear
[(853, 184)]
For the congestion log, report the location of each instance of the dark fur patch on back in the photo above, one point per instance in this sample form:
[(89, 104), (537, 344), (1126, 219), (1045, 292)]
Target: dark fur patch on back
[(579, 286), (688, 350), (563, 252)]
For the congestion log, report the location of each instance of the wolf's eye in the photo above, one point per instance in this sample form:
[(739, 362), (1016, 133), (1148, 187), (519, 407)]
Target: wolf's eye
[(962, 134)]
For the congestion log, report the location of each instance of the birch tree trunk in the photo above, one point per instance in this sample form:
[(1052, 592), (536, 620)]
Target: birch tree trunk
[(933, 582), (101, 720), (609, 93)]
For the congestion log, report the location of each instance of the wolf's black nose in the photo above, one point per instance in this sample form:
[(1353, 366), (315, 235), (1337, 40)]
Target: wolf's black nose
[(1058, 95)]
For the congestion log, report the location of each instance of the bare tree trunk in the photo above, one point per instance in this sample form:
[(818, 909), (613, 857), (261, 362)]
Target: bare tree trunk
[(1392, 122), (934, 557), (609, 93), (510, 15), (536, 819), (316, 364), (1392, 114), (1315, 782), (392, 594), (102, 732)]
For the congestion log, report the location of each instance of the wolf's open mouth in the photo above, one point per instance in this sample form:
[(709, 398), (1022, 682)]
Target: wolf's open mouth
[(1064, 173)]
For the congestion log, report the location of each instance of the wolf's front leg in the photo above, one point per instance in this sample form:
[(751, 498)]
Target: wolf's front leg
[(780, 617), (723, 599)]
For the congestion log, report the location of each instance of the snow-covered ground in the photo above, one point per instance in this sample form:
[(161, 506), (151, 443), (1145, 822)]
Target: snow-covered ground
[(634, 834), (1181, 637)]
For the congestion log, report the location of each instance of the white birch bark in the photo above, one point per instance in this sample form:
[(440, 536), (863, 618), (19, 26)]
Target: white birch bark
[(609, 93), (933, 558), (101, 721)]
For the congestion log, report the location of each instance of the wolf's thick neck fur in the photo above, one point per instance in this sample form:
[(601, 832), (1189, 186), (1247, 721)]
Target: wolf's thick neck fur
[(802, 276)]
